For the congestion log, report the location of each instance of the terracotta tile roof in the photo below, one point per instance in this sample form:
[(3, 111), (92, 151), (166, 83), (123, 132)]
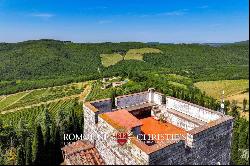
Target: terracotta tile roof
[(82, 152), (121, 119), (152, 126)]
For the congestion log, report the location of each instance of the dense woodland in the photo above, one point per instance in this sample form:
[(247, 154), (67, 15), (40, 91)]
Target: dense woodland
[(34, 135), (44, 63)]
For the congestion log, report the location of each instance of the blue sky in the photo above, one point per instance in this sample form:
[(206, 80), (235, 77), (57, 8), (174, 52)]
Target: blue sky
[(125, 20)]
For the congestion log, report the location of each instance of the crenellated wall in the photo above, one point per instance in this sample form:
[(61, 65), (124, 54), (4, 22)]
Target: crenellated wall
[(157, 98), (192, 110), (179, 122), (103, 105), (133, 99)]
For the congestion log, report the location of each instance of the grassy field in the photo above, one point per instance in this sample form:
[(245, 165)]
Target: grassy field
[(134, 54), (230, 87), (110, 59), (36, 96), (233, 89), (137, 54)]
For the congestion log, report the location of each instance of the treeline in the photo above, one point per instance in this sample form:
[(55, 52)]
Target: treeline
[(36, 137)]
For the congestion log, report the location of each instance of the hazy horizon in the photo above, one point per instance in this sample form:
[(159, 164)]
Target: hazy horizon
[(128, 41)]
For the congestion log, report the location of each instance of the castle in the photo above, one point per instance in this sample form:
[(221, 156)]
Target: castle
[(204, 135)]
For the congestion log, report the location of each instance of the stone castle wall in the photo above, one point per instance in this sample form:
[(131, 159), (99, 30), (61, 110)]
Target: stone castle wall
[(191, 110), (103, 106), (129, 100), (211, 146), (178, 121), (208, 146), (157, 98), (105, 142)]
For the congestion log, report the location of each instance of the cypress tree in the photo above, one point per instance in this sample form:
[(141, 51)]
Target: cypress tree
[(20, 160), (244, 104), (243, 135), (234, 109), (1, 125), (235, 147), (28, 152), (113, 95), (57, 155), (48, 148), (38, 146), (1, 156)]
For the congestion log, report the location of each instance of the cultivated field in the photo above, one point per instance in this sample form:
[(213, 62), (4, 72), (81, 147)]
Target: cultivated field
[(230, 87), (137, 54), (110, 59), (32, 97), (233, 89)]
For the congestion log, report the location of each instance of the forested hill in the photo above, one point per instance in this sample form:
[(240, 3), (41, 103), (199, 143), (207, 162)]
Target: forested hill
[(53, 59), (49, 58)]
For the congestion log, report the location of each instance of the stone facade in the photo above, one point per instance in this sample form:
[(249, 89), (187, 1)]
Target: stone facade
[(208, 139)]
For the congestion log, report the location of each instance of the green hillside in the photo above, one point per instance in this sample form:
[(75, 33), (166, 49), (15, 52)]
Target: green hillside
[(44, 63)]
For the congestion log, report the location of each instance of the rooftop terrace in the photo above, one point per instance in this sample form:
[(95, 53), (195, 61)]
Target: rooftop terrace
[(144, 110)]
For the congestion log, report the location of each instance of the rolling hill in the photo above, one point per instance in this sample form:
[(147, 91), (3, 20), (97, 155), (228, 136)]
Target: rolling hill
[(44, 63)]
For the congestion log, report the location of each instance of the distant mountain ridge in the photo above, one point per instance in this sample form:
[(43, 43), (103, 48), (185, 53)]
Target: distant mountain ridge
[(245, 42)]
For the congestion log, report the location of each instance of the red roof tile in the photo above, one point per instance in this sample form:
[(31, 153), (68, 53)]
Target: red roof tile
[(82, 152), (121, 119)]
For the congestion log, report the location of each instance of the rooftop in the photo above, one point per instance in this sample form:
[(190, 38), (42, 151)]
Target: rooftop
[(139, 109), (121, 119), (152, 126), (82, 152)]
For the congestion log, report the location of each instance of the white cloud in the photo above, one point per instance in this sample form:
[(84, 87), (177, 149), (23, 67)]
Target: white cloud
[(216, 25), (43, 15), (170, 13), (96, 8), (203, 7), (104, 21), (173, 13)]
